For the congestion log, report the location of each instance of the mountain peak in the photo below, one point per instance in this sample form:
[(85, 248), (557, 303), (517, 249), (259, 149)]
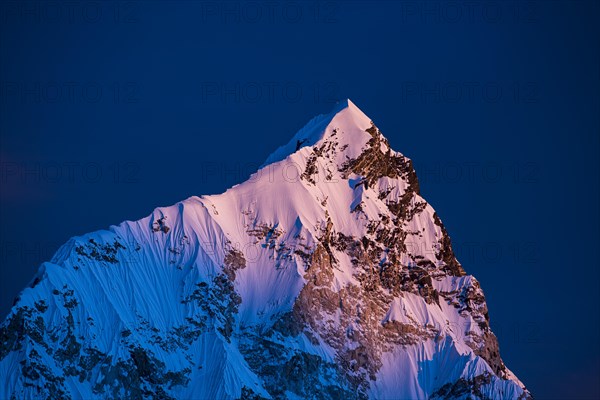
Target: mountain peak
[(341, 273), (344, 116), (346, 103)]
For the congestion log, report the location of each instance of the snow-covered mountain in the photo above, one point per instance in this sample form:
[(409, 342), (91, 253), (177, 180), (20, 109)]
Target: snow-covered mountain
[(324, 276)]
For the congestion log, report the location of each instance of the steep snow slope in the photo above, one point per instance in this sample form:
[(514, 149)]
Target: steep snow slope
[(325, 275)]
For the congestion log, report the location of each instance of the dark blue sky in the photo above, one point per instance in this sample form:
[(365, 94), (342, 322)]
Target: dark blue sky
[(111, 109)]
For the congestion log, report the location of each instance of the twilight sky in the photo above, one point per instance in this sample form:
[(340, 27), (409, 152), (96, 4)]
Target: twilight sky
[(108, 110)]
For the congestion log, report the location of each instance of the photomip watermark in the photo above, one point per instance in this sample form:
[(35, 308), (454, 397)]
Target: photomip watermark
[(268, 12), (455, 92), (269, 92), (70, 12), (69, 92), (70, 172)]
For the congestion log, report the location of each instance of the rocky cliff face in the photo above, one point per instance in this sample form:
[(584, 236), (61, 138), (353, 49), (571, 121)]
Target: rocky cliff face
[(325, 275)]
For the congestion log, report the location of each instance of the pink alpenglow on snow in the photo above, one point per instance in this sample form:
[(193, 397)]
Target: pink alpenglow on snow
[(324, 276)]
